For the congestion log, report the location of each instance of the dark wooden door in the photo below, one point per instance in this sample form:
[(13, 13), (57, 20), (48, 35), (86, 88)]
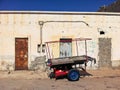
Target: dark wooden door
[(21, 53)]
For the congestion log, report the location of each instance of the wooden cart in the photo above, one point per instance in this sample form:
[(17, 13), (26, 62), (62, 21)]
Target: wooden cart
[(67, 66)]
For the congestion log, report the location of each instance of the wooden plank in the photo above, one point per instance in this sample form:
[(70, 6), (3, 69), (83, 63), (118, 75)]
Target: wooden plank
[(68, 60)]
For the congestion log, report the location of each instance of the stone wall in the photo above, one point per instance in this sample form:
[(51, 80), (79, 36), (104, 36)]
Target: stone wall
[(38, 64), (105, 52)]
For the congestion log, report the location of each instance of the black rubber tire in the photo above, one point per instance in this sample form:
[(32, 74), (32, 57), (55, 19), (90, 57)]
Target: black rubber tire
[(73, 75), (52, 75)]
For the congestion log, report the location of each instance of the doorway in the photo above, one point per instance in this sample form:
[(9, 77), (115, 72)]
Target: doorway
[(21, 53), (105, 52), (65, 47)]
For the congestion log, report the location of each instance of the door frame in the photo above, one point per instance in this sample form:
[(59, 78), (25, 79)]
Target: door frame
[(15, 51)]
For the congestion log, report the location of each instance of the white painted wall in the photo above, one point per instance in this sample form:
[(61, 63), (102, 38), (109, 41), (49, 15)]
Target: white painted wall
[(26, 25)]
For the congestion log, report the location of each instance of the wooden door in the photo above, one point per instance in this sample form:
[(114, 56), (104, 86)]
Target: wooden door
[(21, 53)]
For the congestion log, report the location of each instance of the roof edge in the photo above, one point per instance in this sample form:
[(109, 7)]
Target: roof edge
[(59, 12)]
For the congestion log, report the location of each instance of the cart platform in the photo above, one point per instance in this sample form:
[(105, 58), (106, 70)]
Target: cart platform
[(70, 60)]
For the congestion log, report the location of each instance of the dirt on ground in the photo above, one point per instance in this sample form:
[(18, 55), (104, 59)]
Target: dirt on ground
[(105, 79)]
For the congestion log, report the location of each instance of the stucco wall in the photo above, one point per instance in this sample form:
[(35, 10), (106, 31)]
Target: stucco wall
[(26, 25)]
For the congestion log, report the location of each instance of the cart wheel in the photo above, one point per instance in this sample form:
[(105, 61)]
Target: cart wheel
[(52, 75), (73, 75)]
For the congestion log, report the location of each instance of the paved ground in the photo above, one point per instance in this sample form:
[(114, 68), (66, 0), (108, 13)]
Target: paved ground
[(29, 80)]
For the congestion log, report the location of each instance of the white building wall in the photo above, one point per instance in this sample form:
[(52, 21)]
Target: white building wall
[(26, 25)]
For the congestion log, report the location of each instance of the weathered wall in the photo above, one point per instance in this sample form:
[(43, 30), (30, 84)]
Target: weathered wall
[(26, 25), (105, 52)]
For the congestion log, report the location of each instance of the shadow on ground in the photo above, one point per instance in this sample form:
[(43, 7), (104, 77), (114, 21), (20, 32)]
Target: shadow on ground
[(85, 73)]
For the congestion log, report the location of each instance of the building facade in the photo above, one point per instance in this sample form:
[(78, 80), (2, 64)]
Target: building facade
[(23, 35)]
